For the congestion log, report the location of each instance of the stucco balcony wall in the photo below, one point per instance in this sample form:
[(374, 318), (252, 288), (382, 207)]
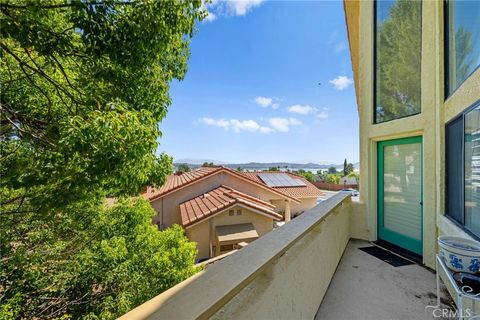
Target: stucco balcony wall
[(283, 275)]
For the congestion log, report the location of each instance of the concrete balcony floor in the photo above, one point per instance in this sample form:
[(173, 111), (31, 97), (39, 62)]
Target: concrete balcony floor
[(365, 287)]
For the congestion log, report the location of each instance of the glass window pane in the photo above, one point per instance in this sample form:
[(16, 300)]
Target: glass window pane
[(403, 189), (463, 41), (454, 170), (398, 59), (472, 171)]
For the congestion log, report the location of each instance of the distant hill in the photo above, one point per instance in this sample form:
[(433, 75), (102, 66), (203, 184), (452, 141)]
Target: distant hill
[(194, 163)]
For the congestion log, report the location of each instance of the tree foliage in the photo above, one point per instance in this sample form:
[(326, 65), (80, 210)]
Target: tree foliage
[(208, 164), (332, 170), (183, 167), (399, 61), (333, 178), (98, 262), (84, 86)]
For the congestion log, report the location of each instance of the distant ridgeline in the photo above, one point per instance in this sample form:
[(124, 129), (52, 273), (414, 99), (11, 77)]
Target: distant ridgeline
[(266, 165)]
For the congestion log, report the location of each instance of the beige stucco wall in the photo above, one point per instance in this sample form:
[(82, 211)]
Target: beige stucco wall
[(295, 208), (170, 204), (304, 272), (429, 123), (200, 234), (204, 232), (283, 275)]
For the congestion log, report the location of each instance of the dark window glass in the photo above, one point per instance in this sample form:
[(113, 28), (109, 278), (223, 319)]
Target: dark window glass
[(462, 30), (454, 170), (398, 47), (462, 194), (472, 171)]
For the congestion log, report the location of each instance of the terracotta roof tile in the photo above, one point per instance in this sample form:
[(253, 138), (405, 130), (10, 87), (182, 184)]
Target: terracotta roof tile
[(177, 181), (307, 191), (216, 200)]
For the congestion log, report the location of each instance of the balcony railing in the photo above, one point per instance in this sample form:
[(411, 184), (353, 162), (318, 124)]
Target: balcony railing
[(285, 274)]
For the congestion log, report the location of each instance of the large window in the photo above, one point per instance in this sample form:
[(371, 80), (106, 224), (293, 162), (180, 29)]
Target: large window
[(398, 49), (463, 169), (462, 30)]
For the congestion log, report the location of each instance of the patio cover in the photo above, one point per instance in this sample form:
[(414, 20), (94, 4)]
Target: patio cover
[(235, 233)]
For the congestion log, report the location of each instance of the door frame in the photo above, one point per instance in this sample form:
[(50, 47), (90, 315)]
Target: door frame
[(397, 238)]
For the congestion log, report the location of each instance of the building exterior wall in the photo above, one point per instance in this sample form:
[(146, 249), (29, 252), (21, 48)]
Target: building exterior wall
[(200, 234), (169, 205), (430, 123), (295, 208), (204, 232)]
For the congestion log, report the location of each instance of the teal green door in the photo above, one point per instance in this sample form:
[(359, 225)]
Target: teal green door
[(400, 183)]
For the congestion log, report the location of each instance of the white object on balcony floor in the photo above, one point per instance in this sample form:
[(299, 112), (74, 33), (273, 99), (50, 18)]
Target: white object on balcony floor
[(462, 293)]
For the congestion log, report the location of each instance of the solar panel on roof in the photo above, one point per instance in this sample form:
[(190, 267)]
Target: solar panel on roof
[(280, 180)]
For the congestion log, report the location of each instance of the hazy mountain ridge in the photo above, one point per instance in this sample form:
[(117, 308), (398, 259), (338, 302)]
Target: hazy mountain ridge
[(264, 165)]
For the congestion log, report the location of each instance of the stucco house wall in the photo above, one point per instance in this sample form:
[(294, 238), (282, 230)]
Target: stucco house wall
[(436, 111), (295, 208), (204, 232), (169, 205)]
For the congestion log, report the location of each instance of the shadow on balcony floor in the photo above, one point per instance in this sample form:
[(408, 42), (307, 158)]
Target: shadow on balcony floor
[(365, 287)]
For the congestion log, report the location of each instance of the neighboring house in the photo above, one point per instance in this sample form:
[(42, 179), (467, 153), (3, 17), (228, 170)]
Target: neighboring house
[(222, 209), (347, 180), (417, 80)]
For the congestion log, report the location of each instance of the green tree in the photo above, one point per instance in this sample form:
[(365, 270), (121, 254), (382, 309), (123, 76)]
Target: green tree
[(239, 169), (310, 176), (332, 170), (208, 164), (354, 175), (333, 178), (183, 167), (84, 86), (348, 169), (274, 169)]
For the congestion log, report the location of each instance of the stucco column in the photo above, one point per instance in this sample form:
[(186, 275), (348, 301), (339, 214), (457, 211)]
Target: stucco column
[(288, 216)]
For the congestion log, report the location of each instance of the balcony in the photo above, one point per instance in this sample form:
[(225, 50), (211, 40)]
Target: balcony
[(309, 268)]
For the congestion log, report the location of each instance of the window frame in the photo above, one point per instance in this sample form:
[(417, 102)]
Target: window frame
[(461, 115), (446, 55), (374, 72)]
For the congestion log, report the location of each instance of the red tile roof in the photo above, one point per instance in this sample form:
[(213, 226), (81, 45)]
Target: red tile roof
[(177, 181), (307, 191), (219, 199)]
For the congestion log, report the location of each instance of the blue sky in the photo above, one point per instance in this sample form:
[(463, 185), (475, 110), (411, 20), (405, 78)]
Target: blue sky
[(252, 89)]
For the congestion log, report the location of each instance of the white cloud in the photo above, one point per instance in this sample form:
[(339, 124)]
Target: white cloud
[(218, 8), (283, 124), (340, 46), (321, 115), (301, 109), (210, 17), (266, 102), (247, 125), (263, 101), (221, 123), (341, 82), (242, 7), (266, 130), (236, 125)]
